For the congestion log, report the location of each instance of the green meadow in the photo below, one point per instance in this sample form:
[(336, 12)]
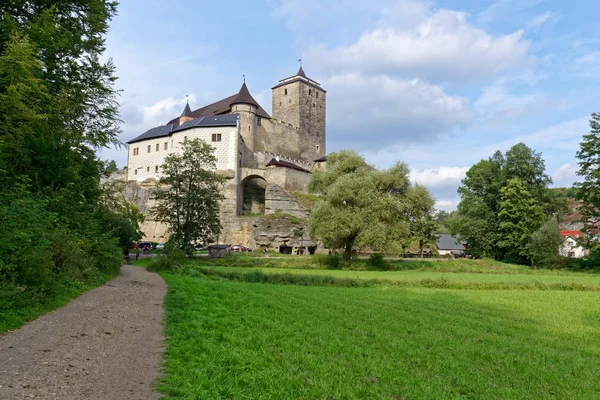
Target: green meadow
[(306, 337)]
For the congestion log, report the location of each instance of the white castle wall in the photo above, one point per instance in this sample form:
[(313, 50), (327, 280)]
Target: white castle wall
[(147, 164)]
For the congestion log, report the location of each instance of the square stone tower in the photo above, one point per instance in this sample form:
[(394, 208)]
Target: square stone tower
[(301, 102)]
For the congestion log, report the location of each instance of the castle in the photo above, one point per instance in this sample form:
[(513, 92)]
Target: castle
[(266, 159)]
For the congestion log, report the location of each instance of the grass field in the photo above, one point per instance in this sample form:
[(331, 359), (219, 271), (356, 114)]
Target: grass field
[(232, 340), (539, 276)]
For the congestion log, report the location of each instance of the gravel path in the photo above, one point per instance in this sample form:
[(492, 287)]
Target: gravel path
[(107, 344)]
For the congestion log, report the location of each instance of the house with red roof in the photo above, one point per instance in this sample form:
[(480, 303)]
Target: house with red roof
[(570, 246)]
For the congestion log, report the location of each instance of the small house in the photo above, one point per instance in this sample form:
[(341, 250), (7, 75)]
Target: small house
[(570, 247), (218, 250), (448, 245)]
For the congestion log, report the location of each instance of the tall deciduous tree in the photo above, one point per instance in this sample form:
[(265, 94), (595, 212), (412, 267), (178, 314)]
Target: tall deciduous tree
[(189, 199), (481, 197), (520, 215), (589, 168), (544, 245), (423, 227), (362, 206)]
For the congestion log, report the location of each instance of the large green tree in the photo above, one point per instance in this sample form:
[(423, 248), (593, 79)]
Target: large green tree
[(57, 107), (189, 198), (589, 169), (481, 198), (544, 245), (520, 215), (363, 206), (421, 210)]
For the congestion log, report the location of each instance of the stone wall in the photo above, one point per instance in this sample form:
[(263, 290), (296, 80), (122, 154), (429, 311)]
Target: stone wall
[(278, 200), (291, 180)]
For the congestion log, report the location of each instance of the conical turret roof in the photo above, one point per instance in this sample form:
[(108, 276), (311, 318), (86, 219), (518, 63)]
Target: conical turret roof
[(187, 111), (301, 73), (244, 97)]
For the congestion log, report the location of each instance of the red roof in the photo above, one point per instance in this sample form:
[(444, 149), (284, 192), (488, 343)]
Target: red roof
[(575, 234)]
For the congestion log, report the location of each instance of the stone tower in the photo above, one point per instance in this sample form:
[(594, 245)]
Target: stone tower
[(246, 107), (301, 102)]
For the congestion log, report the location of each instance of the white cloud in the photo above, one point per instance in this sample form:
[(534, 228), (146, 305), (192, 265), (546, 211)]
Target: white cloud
[(566, 175), (446, 205), (536, 23), (444, 47), (441, 176), (381, 110), (498, 103), (502, 9)]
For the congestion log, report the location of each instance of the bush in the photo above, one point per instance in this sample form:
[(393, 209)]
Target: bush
[(377, 262), (172, 259), (331, 261), (592, 261)]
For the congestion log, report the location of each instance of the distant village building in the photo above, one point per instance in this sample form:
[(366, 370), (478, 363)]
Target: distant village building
[(266, 159), (448, 245), (570, 246)]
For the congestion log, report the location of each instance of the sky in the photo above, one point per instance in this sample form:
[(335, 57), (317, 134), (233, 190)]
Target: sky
[(438, 85)]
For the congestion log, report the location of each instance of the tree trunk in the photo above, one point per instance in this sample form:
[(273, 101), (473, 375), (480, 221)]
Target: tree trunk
[(348, 252)]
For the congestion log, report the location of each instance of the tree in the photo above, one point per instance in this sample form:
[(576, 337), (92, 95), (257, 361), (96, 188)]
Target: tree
[(423, 227), (361, 206), (481, 196), (544, 245), (189, 199), (589, 168), (520, 215)]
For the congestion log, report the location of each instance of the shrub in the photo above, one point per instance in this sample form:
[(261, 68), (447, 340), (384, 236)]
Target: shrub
[(331, 261), (377, 262)]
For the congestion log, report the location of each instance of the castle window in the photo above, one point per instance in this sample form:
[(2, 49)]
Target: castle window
[(258, 121), (317, 147), (147, 169), (156, 166), (157, 146), (317, 94), (216, 137), (309, 92), (285, 91), (166, 145), (135, 171), (136, 151), (149, 148)]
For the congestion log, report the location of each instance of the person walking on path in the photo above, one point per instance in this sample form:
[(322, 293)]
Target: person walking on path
[(126, 253), (137, 252)]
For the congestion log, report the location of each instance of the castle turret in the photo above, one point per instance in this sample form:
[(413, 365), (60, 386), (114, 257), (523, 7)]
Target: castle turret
[(301, 102), (186, 115), (245, 106)]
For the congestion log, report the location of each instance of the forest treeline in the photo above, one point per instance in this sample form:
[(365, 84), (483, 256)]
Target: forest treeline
[(58, 106)]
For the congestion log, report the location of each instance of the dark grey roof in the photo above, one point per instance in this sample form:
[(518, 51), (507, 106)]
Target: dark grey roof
[(299, 77), (322, 159), (167, 130), (286, 164), (301, 73), (187, 112), (220, 107), (159, 131), (244, 97), (448, 242)]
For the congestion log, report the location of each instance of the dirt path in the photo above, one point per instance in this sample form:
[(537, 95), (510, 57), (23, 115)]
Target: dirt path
[(106, 344)]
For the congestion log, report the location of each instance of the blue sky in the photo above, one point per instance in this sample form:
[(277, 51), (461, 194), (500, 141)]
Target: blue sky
[(436, 84)]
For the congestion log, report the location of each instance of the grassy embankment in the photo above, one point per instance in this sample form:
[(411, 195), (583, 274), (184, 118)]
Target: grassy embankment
[(19, 306), (231, 339)]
